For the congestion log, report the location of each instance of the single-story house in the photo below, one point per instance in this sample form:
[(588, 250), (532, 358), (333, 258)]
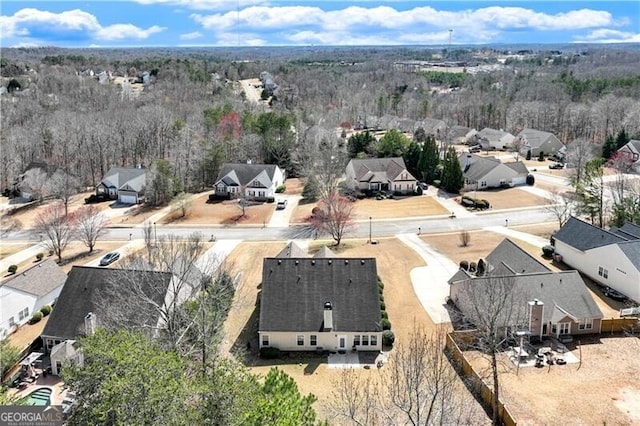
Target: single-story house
[(380, 174), (494, 139), (609, 257), (125, 184), (310, 304), (432, 126), (631, 153), (542, 302), (90, 298), (21, 186), (257, 181), (27, 292), (538, 141), (461, 135), (488, 172)]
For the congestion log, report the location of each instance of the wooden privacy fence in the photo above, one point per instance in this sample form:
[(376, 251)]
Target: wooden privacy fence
[(484, 390), (618, 325)]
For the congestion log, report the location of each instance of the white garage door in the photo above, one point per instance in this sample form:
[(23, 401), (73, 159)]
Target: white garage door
[(127, 199), (519, 180)]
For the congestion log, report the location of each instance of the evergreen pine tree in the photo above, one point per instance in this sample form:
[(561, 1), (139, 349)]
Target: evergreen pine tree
[(429, 160), (609, 147), (452, 176)]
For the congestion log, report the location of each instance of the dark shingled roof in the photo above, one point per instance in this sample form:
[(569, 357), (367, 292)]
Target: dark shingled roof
[(129, 178), (294, 292), (584, 236), (240, 174), (40, 280), (628, 230), (377, 169), (514, 258), (93, 289)]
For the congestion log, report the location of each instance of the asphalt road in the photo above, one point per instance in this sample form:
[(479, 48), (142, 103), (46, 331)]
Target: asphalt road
[(375, 228)]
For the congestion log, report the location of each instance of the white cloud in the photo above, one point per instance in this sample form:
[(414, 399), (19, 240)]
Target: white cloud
[(126, 31), (220, 5), (191, 36), (310, 24), (74, 24), (605, 35)]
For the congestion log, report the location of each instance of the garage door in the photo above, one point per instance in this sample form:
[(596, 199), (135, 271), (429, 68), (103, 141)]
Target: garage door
[(127, 199), (519, 180)]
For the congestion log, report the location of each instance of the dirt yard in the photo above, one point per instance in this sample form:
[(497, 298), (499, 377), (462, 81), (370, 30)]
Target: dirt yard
[(382, 209), (508, 198), (8, 249), (223, 212), (312, 375)]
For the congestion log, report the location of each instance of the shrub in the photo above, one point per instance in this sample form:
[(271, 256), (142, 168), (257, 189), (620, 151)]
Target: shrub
[(380, 285), (464, 265), (36, 317), (418, 191), (39, 256), (388, 338), (46, 310), (384, 314), (383, 306), (386, 324), (269, 353), (541, 156), (548, 250), (481, 204), (531, 179), (12, 269), (481, 267), (437, 183), (473, 267), (529, 155), (380, 291), (50, 252), (281, 189)]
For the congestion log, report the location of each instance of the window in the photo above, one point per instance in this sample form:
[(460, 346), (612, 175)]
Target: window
[(313, 340), (356, 340), (604, 273), (12, 322), (23, 314), (585, 324), (564, 328), (300, 340), (365, 340), (265, 340), (374, 340)]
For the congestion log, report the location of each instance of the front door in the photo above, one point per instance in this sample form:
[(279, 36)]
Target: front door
[(342, 342)]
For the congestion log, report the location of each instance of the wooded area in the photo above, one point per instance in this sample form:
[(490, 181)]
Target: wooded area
[(193, 114)]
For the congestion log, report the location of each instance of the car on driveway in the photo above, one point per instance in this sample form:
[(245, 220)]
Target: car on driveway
[(616, 295), (109, 258), (281, 205), (556, 166)]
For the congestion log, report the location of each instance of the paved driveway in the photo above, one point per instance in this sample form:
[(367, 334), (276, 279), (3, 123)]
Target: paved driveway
[(281, 218), (430, 282)]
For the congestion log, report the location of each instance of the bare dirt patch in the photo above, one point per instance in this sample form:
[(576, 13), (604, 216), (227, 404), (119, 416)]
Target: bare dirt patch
[(381, 209), (601, 390), (480, 244), (222, 212), (294, 186), (8, 249), (508, 198)]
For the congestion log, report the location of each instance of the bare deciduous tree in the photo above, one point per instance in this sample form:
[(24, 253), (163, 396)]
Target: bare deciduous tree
[(55, 227), (465, 238), (90, 225), (562, 206), (494, 305), (63, 186), (182, 204), (334, 216)]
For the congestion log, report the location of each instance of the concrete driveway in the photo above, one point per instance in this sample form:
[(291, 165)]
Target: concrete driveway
[(430, 282), (281, 218)]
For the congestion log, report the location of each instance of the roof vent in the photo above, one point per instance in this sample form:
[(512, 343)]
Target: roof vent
[(346, 262), (297, 262), (329, 261), (362, 262), (313, 262), (279, 261)]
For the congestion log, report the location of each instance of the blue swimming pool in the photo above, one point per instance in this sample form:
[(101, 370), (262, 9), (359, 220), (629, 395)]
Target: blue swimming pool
[(40, 396)]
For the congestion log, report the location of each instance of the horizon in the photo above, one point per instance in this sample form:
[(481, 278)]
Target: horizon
[(315, 23)]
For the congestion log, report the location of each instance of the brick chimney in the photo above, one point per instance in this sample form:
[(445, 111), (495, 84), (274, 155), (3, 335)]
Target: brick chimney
[(90, 324), (536, 311)]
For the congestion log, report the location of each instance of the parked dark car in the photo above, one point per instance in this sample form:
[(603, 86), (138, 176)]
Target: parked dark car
[(109, 258), (616, 295)]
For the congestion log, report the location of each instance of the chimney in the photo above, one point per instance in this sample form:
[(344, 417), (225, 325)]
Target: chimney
[(328, 316), (90, 324), (536, 312)]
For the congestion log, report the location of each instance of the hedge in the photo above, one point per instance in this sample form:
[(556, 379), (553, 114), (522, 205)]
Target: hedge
[(12, 269), (46, 310), (36, 317), (269, 353), (386, 324), (388, 338)]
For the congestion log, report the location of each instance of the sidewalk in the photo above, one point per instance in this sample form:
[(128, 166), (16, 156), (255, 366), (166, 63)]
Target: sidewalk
[(430, 282), (528, 238), (21, 256)]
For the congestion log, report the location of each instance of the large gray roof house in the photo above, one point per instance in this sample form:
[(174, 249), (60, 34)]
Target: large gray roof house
[(320, 303), (549, 303)]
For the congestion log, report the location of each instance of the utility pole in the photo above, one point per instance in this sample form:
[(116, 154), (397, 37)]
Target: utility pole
[(449, 48)]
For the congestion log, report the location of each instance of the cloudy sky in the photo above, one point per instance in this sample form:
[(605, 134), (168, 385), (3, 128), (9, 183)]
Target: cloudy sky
[(322, 22)]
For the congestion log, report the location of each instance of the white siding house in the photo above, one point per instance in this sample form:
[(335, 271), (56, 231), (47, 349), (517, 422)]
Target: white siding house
[(611, 258), (256, 181), (488, 172), (27, 292)]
